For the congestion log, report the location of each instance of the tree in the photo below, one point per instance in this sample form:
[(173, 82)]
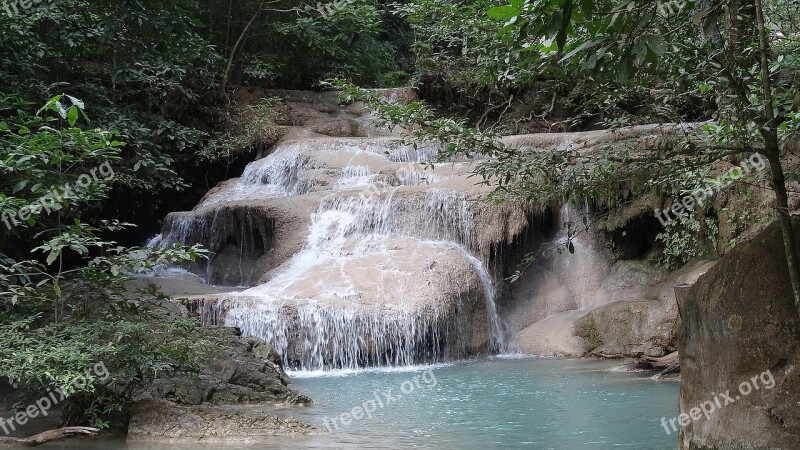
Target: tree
[(722, 46), (64, 305)]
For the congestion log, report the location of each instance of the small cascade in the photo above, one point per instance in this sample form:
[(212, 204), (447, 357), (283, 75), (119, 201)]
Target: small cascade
[(498, 342), (314, 336), (355, 176), (432, 214), (282, 174)]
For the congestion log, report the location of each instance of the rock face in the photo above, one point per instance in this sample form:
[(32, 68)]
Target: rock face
[(644, 324), (739, 321), (247, 371), (234, 398), (571, 304)]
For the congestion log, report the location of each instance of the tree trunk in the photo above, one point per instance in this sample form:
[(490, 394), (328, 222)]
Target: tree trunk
[(235, 48), (772, 150), (47, 436)]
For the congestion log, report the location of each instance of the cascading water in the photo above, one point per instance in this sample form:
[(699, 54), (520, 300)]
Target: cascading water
[(387, 274), (314, 300)]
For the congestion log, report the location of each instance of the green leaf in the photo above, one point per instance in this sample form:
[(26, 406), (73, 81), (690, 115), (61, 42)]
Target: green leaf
[(504, 13), (72, 115), (52, 257), (578, 49), (625, 68), (77, 102), (640, 52), (656, 44), (19, 186), (59, 107)]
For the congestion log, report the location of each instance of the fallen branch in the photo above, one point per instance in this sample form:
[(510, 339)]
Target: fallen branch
[(47, 436), (668, 364)]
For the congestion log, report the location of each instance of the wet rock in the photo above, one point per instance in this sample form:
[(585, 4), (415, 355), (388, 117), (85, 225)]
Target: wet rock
[(340, 128), (631, 328)]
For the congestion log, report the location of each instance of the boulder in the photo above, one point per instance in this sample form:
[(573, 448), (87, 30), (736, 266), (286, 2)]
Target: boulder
[(233, 398), (246, 371), (740, 326), (635, 328)]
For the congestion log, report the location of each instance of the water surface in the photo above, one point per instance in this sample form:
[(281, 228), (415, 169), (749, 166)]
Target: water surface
[(486, 404)]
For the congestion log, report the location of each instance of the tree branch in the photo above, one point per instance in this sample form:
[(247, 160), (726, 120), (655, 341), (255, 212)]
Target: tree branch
[(47, 436)]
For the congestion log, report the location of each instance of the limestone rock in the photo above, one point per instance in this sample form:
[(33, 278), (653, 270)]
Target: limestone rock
[(164, 422), (246, 371), (233, 399)]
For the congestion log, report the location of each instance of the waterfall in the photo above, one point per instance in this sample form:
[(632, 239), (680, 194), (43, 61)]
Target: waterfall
[(348, 229), (387, 274)]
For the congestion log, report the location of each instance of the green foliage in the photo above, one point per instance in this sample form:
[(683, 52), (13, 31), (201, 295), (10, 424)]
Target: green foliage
[(745, 211), (687, 236), (344, 43), (693, 52), (587, 329), (454, 136), (455, 44), (254, 126), (152, 71), (41, 154), (133, 352), (65, 307), (142, 65)]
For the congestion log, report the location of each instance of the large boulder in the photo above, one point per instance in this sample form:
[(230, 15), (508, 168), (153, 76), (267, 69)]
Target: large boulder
[(246, 371), (233, 398), (740, 346)]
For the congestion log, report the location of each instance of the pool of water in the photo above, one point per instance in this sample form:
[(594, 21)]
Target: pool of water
[(486, 404)]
